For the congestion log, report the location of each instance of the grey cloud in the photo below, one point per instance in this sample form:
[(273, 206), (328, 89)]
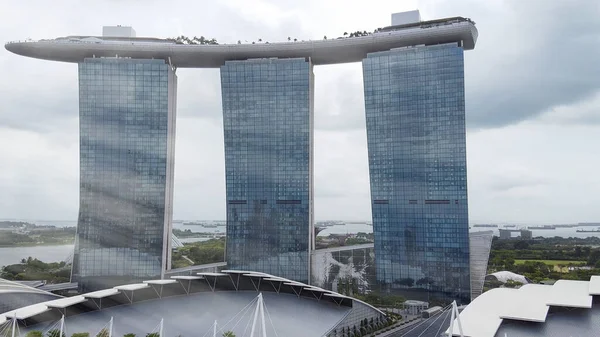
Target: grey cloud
[(535, 56)]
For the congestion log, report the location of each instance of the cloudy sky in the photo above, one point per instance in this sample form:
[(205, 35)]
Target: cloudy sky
[(532, 90)]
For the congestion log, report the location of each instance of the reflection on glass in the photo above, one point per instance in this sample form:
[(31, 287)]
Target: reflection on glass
[(127, 121), (267, 117), (414, 101)]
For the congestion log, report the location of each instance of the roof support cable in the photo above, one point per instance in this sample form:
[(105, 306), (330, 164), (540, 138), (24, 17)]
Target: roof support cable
[(254, 284)]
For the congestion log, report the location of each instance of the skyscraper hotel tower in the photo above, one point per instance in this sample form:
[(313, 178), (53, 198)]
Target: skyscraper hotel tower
[(414, 102)]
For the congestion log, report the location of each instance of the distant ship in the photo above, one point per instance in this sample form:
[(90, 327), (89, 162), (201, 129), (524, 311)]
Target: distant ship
[(510, 226), (192, 224), (491, 226), (542, 227), (597, 230)]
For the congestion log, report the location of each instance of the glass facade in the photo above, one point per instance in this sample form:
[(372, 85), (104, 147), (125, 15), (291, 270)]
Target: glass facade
[(268, 125), (415, 112), (127, 140), (348, 270)]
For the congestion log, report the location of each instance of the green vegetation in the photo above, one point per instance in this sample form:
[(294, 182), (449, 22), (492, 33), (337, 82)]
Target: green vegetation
[(194, 40), (31, 235), (129, 335), (228, 334), (55, 333), (31, 269), (35, 333), (552, 262), (81, 334), (546, 258), (196, 253)]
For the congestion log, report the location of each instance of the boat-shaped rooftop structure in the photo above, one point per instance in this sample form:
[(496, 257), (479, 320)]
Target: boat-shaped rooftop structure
[(341, 50)]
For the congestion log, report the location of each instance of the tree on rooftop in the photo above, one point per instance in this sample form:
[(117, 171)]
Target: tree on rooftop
[(35, 333), (81, 334), (55, 333)]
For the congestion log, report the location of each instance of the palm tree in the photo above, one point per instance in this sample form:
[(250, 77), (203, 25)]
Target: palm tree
[(228, 334), (295, 40), (325, 37), (345, 33), (259, 40), (289, 38)]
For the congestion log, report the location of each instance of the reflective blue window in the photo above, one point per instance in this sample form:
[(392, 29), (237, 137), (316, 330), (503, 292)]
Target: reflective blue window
[(267, 117), (126, 115), (415, 111)]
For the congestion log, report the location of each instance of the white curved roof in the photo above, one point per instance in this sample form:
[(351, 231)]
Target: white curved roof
[(530, 303), (504, 276), (221, 303), (344, 50), (7, 286)]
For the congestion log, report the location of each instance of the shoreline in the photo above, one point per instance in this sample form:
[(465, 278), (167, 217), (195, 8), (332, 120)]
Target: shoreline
[(41, 244)]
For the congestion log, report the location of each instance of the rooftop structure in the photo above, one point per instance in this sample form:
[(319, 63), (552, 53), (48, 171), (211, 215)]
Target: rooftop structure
[(192, 304), (14, 295), (567, 308), (343, 50)]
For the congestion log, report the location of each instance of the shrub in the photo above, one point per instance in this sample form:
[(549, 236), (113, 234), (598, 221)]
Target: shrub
[(35, 333), (55, 333), (81, 334), (103, 333)]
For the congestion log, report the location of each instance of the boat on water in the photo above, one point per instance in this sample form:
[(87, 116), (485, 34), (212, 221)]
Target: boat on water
[(192, 224), (597, 230), (510, 226), (541, 227)]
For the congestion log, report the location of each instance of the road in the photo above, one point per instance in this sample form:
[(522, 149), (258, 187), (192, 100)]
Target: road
[(426, 328)]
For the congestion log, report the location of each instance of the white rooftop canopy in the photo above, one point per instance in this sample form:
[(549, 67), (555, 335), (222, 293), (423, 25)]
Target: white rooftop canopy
[(335, 295), (481, 317), (527, 304), (27, 312), (212, 274), (65, 302), (160, 282), (132, 287), (594, 285), (102, 293), (186, 277), (236, 271), (277, 279), (574, 294)]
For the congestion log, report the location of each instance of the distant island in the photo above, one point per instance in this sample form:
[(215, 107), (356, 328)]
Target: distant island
[(19, 234)]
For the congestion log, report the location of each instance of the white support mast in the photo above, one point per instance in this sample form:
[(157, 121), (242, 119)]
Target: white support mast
[(14, 325), (259, 311), (62, 325), (215, 329), (160, 331), (455, 314), (110, 327)]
